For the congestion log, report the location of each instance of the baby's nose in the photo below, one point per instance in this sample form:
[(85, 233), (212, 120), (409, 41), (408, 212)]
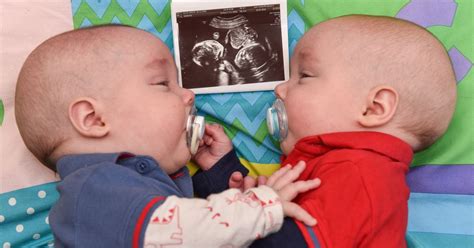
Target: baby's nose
[(280, 90), (188, 97)]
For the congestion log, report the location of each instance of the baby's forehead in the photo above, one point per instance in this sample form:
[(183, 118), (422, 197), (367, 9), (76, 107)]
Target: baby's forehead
[(159, 63), (311, 50), (306, 53), (149, 54), (318, 38)]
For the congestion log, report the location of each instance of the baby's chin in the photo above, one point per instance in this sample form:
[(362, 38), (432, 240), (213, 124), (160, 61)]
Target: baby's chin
[(187, 157), (183, 154), (178, 163), (285, 147)]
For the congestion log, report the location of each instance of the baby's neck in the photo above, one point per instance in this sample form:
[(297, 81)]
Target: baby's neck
[(405, 136), (83, 146)]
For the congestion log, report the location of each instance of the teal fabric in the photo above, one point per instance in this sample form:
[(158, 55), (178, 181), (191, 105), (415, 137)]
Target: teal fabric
[(441, 213), (24, 216), (439, 240)]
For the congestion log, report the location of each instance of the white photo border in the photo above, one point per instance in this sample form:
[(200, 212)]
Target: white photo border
[(193, 5)]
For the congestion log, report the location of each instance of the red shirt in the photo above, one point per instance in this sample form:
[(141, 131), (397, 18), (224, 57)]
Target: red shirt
[(362, 201)]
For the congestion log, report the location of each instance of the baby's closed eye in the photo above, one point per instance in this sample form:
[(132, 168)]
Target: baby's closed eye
[(161, 83), (304, 75)]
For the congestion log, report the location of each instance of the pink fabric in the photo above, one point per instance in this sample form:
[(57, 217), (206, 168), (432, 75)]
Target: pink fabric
[(24, 25)]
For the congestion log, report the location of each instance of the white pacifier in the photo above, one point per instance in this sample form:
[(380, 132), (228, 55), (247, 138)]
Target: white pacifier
[(195, 127), (277, 121)]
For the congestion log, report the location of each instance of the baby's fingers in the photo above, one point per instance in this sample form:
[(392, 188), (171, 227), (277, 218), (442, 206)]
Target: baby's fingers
[(295, 211), (236, 181), (290, 176), (261, 180), (249, 182), (277, 174), (216, 131), (290, 191), (208, 140)]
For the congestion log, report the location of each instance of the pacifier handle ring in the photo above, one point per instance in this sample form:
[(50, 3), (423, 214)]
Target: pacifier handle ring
[(194, 145)]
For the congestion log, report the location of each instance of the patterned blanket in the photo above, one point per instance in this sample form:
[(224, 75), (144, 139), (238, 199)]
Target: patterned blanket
[(441, 206)]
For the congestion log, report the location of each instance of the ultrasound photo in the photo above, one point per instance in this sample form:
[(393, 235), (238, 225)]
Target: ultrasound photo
[(230, 46)]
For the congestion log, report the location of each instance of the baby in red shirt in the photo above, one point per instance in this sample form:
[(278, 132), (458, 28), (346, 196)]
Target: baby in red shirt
[(364, 93)]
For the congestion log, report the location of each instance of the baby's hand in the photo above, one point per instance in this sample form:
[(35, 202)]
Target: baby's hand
[(237, 181), (283, 182), (214, 146)]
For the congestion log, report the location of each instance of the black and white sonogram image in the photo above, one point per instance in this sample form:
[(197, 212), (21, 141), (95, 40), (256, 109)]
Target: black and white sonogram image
[(230, 46)]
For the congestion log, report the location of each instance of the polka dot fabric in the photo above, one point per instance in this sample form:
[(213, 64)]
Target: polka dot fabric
[(24, 216)]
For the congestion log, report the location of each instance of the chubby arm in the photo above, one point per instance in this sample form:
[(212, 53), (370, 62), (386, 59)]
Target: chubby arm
[(231, 218)]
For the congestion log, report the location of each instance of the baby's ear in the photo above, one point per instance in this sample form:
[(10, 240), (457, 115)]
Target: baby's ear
[(86, 119), (380, 107)]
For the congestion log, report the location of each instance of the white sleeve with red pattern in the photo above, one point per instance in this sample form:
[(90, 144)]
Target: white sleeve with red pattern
[(227, 219)]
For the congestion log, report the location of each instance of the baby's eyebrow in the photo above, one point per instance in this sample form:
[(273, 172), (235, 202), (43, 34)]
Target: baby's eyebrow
[(307, 54), (157, 63)]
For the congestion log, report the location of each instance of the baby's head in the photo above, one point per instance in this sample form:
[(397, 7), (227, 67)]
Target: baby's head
[(100, 90), (367, 73)]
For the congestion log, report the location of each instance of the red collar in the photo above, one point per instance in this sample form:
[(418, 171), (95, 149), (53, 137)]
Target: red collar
[(315, 146)]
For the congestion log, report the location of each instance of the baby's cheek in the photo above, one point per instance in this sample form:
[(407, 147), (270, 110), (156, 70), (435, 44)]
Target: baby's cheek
[(296, 124), (183, 156)]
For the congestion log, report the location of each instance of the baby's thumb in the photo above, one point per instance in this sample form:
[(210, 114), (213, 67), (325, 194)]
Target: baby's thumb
[(236, 181), (216, 131)]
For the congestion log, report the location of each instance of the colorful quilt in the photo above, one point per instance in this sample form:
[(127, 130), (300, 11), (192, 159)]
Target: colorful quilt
[(441, 206)]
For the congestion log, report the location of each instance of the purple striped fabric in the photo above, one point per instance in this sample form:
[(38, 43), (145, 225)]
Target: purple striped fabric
[(443, 179)]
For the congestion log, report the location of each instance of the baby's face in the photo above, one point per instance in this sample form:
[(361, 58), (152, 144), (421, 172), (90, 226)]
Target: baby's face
[(148, 109), (320, 97)]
